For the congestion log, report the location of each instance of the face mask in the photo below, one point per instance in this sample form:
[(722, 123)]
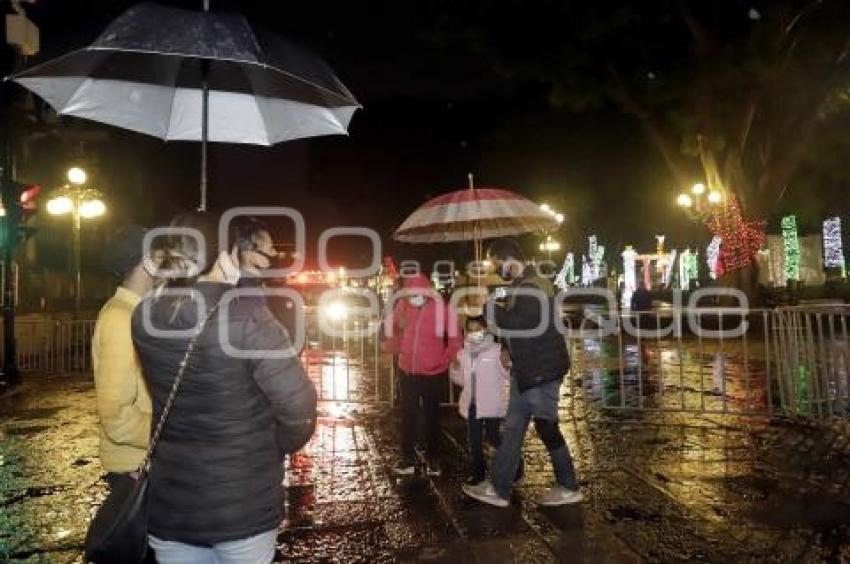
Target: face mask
[(505, 272), (228, 269), (416, 301), (476, 337)]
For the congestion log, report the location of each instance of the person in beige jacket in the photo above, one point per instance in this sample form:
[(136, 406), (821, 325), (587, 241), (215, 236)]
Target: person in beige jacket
[(123, 402)]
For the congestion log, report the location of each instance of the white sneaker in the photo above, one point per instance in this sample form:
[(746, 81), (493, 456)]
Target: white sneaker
[(485, 493), (404, 470), (559, 495)]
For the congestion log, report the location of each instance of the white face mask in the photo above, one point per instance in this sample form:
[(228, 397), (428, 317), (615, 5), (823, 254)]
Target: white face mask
[(416, 301), (476, 337), (228, 269)]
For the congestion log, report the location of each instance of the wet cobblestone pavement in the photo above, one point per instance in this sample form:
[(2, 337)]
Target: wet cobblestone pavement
[(660, 487)]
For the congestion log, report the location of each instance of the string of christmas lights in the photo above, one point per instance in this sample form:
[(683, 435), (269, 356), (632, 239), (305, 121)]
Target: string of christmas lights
[(629, 276), (833, 253), (567, 274), (742, 238), (712, 257), (792, 247)]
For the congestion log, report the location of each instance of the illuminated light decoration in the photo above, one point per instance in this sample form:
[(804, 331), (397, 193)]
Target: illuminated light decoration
[(684, 200), (791, 244), (715, 197), (595, 253), (712, 257), (741, 238), (388, 268), (698, 188), (833, 253), (586, 272), (684, 277), (692, 266), (667, 276), (567, 274), (629, 276)]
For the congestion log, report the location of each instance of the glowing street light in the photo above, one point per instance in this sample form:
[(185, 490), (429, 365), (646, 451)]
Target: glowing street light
[(715, 197), (698, 188), (60, 205), (559, 217), (77, 176), (684, 200), (81, 203), (92, 208), (546, 207)]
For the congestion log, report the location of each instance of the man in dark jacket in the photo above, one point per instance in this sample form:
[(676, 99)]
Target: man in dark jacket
[(539, 360)]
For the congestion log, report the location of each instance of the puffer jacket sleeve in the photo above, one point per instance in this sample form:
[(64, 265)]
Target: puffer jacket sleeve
[(282, 380), (525, 312)]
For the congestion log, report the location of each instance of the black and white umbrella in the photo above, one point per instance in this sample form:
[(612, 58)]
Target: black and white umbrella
[(196, 76)]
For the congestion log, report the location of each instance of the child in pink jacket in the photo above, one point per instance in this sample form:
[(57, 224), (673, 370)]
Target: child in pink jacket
[(483, 372)]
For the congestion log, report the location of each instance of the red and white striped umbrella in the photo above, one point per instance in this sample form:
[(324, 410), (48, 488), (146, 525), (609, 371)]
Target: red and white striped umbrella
[(470, 214)]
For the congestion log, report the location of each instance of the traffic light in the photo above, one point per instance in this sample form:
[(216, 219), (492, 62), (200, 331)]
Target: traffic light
[(28, 195), (24, 198)]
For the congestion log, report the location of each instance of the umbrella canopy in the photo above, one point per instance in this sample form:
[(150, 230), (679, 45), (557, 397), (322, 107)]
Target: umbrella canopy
[(147, 70), (474, 214)]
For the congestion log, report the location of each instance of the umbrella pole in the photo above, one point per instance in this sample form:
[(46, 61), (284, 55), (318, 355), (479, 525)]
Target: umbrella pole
[(476, 244), (205, 124)]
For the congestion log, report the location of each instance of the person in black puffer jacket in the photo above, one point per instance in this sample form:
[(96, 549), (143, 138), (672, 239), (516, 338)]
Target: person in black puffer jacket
[(216, 492), (539, 361)]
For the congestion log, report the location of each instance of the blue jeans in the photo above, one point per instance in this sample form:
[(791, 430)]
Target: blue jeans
[(258, 549), (540, 403)]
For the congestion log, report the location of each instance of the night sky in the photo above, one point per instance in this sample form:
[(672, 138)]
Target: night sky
[(433, 111)]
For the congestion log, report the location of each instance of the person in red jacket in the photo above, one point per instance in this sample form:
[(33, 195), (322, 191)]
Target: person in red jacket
[(427, 335)]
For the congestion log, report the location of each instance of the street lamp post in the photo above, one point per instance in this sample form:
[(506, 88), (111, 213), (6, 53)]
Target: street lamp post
[(699, 205), (82, 203), (549, 245)]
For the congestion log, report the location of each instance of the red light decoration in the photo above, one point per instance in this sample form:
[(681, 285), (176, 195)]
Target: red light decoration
[(389, 268), (742, 238)]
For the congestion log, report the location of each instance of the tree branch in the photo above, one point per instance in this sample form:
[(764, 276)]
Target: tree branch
[(651, 126), (698, 31)]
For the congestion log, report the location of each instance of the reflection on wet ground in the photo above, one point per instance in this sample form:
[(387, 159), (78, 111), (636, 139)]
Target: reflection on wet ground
[(665, 486)]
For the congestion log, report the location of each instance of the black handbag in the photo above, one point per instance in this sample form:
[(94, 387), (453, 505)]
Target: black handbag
[(118, 533)]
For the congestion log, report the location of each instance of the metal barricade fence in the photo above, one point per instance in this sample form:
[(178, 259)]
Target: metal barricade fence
[(789, 360), (54, 346), (792, 361), (812, 360), (709, 360), (347, 362)]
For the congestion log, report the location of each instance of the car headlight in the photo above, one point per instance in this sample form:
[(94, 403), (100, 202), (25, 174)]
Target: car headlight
[(336, 311)]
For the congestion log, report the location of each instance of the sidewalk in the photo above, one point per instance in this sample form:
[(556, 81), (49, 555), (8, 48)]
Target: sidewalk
[(659, 487)]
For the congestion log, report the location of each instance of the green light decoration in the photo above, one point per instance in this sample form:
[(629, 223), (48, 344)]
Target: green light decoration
[(792, 247), (802, 390)]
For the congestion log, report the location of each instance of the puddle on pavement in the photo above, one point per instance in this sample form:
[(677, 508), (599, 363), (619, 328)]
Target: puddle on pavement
[(814, 511), (26, 431), (38, 413)]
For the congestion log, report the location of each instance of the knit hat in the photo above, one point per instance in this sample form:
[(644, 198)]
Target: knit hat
[(124, 250)]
